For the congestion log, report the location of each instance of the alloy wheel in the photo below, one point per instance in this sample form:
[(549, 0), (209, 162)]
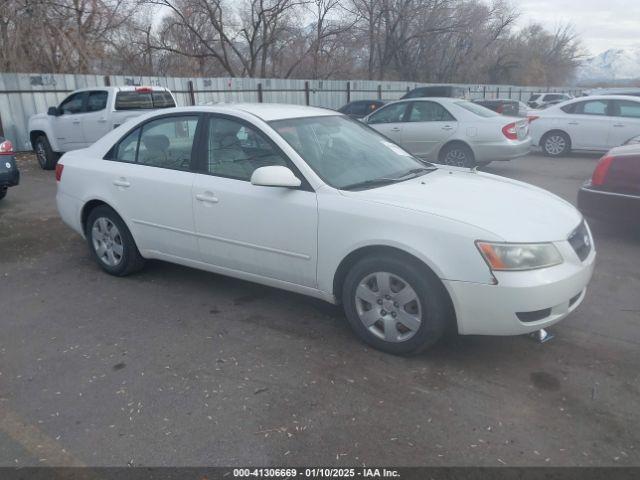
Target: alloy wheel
[(456, 158), (41, 154), (388, 307), (107, 241), (555, 144)]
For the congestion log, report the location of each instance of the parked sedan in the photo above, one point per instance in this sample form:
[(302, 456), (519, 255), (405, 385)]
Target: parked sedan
[(9, 173), (510, 108), (587, 123), (360, 108), (452, 131), (613, 193), (314, 202)]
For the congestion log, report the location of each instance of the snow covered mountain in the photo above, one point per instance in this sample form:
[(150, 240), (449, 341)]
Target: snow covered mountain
[(612, 65)]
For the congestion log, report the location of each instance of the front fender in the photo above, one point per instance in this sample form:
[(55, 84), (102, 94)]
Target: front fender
[(41, 123)]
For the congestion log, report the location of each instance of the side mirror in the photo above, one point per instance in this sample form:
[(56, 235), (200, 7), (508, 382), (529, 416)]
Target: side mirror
[(53, 111), (275, 176)]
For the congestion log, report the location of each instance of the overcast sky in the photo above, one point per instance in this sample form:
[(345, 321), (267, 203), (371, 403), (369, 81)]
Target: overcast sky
[(602, 24)]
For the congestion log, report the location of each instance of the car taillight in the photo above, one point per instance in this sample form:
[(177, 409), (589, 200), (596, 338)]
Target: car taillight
[(144, 89), (510, 131), (59, 168), (6, 148), (599, 176), (531, 118)]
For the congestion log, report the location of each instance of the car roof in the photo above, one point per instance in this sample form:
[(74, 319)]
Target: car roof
[(124, 88), (607, 97), (265, 111)]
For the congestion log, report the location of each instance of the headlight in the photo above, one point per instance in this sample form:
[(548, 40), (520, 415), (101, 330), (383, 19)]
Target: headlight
[(519, 256)]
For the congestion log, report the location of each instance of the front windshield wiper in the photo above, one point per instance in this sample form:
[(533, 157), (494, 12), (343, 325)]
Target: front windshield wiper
[(376, 182)]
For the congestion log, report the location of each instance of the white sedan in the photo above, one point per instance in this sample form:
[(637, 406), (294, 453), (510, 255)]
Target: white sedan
[(598, 122), (311, 201), (452, 131)]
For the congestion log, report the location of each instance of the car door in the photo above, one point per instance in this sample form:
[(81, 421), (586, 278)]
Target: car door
[(95, 122), (588, 123), (429, 125), (151, 184), (626, 121), (389, 120), (67, 126), (265, 231)]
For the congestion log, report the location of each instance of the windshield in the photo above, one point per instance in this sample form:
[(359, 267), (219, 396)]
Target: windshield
[(477, 109), (347, 154)]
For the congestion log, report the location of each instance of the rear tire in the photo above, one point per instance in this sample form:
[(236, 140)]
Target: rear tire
[(111, 242), (47, 158), (395, 305), (555, 144), (457, 155)]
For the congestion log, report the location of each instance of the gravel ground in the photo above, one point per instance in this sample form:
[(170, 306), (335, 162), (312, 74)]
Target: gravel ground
[(174, 366)]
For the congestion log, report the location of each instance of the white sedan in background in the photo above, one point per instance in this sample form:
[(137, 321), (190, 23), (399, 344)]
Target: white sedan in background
[(452, 131), (311, 201), (598, 122)]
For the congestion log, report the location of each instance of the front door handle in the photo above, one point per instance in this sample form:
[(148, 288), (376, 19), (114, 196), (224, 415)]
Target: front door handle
[(618, 125), (447, 127), (102, 120), (76, 122), (121, 182), (574, 123), (206, 197), (395, 129)]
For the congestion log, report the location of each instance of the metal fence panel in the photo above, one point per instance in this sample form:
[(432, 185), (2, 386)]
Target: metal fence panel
[(24, 94)]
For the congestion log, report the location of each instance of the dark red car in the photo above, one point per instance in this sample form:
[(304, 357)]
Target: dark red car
[(613, 193)]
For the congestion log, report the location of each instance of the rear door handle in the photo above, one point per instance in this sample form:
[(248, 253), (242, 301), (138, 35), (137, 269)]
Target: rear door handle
[(121, 182), (76, 122), (395, 129), (574, 123), (618, 124), (206, 197), (102, 120), (447, 127)]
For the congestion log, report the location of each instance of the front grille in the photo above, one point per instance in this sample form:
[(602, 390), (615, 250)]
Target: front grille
[(580, 241)]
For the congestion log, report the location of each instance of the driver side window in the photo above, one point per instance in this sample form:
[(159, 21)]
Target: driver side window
[(390, 114), (235, 150), (73, 104)]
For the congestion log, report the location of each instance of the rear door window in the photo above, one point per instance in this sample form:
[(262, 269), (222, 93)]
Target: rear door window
[(626, 108), (429, 112), (97, 101)]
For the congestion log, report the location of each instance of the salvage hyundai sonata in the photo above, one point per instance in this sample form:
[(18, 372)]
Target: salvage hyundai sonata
[(311, 201)]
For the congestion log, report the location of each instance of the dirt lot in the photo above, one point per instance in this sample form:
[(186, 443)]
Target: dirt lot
[(179, 367)]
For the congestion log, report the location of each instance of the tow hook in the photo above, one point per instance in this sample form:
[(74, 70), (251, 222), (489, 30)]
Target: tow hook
[(542, 335)]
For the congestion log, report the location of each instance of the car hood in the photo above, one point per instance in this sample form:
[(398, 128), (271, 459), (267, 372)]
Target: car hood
[(37, 116), (512, 210)]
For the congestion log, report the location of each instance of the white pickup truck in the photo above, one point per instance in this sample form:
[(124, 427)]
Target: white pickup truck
[(88, 114)]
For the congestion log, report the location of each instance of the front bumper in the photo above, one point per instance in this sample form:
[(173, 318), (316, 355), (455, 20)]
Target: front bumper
[(501, 151), (609, 206), (9, 173), (545, 296)]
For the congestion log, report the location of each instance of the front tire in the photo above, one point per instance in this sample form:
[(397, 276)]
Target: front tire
[(3, 191), (47, 158), (457, 155), (555, 144), (395, 305), (111, 242)]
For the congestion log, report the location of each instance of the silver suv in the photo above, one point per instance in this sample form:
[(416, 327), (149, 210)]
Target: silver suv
[(542, 100)]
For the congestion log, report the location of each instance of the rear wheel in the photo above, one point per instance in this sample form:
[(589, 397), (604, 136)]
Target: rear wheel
[(457, 155), (47, 158), (111, 243), (556, 144), (394, 305)]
